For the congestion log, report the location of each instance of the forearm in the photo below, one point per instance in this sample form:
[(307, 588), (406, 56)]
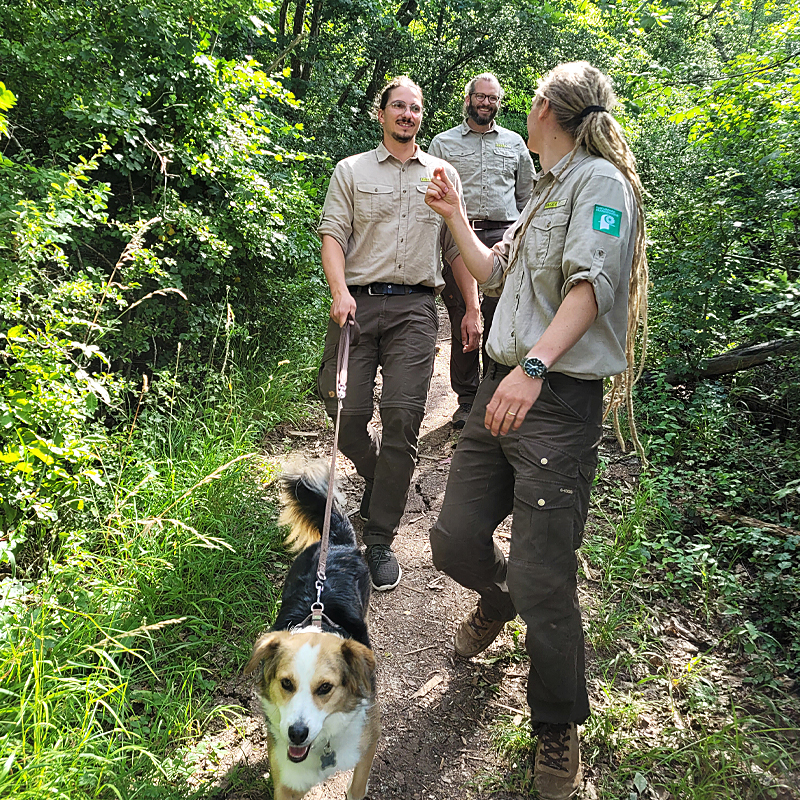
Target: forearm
[(333, 265), (344, 303), (477, 258), (573, 318), (466, 283)]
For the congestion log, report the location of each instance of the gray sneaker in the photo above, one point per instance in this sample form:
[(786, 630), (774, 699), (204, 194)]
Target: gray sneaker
[(383, 567), (460, 415)]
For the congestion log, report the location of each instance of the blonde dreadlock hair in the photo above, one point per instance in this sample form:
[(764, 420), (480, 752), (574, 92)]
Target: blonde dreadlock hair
[(571, 90)]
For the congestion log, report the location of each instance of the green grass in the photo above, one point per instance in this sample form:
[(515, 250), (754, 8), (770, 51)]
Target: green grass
[(110, 656)]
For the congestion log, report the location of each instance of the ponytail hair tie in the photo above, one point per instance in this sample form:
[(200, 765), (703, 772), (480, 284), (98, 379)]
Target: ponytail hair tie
[(589, 110)]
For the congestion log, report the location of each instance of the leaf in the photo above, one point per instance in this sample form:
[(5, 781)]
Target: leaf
[(640, 782)]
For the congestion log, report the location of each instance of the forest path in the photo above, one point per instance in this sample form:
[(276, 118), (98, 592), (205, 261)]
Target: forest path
[(437, 710)]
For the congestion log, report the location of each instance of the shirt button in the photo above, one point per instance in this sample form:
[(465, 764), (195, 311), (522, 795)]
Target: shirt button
[(401, 240), (403, 215), (601, 253), (543, 461), (540, 501), (404, 191)]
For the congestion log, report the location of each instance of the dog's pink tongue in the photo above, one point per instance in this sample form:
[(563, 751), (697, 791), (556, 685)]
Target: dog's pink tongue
[(297, 752)]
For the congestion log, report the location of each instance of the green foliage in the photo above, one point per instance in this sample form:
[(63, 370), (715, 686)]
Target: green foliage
[(107, 662)]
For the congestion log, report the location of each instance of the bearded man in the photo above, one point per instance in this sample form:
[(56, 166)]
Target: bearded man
[(496, 173)]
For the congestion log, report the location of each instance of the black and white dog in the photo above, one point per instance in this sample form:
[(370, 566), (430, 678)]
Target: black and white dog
[(317, 688)]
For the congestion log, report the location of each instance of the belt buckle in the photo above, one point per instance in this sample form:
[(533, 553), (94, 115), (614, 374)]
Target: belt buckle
[(370, 292), (472, 224)]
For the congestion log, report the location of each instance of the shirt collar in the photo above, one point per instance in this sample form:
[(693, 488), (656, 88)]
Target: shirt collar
[(419, 154), (465, 129)]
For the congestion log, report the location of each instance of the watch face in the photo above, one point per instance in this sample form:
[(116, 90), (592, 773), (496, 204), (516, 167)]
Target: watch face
[(534, 367)]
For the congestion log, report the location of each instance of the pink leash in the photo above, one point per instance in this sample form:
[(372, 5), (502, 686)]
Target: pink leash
[(350, 330)]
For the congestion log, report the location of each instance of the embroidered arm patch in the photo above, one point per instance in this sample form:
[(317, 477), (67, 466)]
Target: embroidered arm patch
[(606, 220)]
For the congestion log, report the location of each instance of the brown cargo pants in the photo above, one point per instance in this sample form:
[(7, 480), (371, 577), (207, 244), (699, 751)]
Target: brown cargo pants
[(398, 333), (543, 474)]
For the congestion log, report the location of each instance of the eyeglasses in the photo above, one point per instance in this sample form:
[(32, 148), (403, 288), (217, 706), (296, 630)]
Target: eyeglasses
[(480, 97), (401, 107)]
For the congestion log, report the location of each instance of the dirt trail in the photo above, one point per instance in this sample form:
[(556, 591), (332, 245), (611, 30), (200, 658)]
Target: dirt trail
[(436, 709)]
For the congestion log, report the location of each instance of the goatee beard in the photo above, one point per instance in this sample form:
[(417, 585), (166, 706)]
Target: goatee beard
[(403, 138), (480, 118)]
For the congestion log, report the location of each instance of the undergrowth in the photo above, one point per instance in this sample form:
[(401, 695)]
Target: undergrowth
[(113, 641)]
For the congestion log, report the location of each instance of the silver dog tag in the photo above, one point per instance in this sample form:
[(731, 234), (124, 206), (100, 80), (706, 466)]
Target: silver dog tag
[(328, 758)]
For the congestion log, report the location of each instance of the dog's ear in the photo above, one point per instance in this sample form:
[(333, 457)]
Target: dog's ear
[(265, 649), (359, 668)]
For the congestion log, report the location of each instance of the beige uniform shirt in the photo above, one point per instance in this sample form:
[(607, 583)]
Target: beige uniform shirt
[(585, 231), (375, 209), (495, 168)]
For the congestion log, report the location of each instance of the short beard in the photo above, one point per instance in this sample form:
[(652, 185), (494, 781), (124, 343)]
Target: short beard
[(474, 115), (403, 138)]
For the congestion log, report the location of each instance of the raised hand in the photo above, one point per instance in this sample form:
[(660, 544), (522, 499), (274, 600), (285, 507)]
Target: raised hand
[(442, 196)]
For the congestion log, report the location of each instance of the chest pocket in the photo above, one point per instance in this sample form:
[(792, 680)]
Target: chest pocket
[(504, 159), (423, 212), (463, 161), (373, 202), (549, 238)]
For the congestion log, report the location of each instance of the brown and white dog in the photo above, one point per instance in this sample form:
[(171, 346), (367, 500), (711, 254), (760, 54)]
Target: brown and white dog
[(317, 688)]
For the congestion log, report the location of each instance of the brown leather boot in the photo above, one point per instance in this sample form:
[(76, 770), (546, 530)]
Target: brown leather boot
[(557, 768), (476, 633)]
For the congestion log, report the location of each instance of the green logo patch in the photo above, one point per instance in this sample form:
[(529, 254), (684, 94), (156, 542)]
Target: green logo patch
[(606, 220)]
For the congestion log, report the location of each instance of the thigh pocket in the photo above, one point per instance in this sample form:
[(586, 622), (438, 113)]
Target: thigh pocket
[(326, 377), (545, 504)]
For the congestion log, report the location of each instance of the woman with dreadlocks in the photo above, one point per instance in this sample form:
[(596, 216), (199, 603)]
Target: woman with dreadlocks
[(571, 274)]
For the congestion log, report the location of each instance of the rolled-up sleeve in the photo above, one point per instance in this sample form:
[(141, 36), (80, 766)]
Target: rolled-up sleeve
[(602, 222), (493, 285), (337, 211)]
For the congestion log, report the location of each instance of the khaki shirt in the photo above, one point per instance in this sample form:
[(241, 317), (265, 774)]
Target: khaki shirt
[(495, 168), (585, 231), (375, 209)]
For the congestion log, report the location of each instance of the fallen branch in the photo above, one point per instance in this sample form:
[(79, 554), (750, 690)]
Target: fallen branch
[(751, 522), (735, 360)]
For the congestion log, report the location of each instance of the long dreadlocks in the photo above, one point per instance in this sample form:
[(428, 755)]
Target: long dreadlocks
[(581, 98)]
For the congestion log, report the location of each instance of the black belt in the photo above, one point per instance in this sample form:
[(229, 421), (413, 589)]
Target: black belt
[(390, 288), (488, 224)]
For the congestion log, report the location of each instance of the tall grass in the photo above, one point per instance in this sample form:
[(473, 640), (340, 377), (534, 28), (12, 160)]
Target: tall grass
[(109, 661)]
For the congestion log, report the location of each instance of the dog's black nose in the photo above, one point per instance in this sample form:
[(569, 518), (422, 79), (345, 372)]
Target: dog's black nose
[(298, 733)]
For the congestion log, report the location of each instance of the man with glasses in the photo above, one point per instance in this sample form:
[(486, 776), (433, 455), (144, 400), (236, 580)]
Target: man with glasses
[(497, 174), (381, 249)]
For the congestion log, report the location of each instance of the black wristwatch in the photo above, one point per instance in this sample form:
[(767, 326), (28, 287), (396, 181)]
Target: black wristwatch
[(533, 367)]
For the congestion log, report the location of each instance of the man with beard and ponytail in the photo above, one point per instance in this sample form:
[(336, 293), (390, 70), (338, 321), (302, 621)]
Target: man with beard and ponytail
[(496, 172), (571, 274), (381, 249)]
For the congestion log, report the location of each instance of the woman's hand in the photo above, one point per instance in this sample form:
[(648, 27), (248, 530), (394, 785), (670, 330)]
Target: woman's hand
[(442, 196), (511, 401)]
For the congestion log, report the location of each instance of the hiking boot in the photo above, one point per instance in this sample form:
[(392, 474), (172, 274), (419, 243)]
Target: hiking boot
[(383, 567), (557, 771), (460, 415), (363, 509), (476, 633)]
